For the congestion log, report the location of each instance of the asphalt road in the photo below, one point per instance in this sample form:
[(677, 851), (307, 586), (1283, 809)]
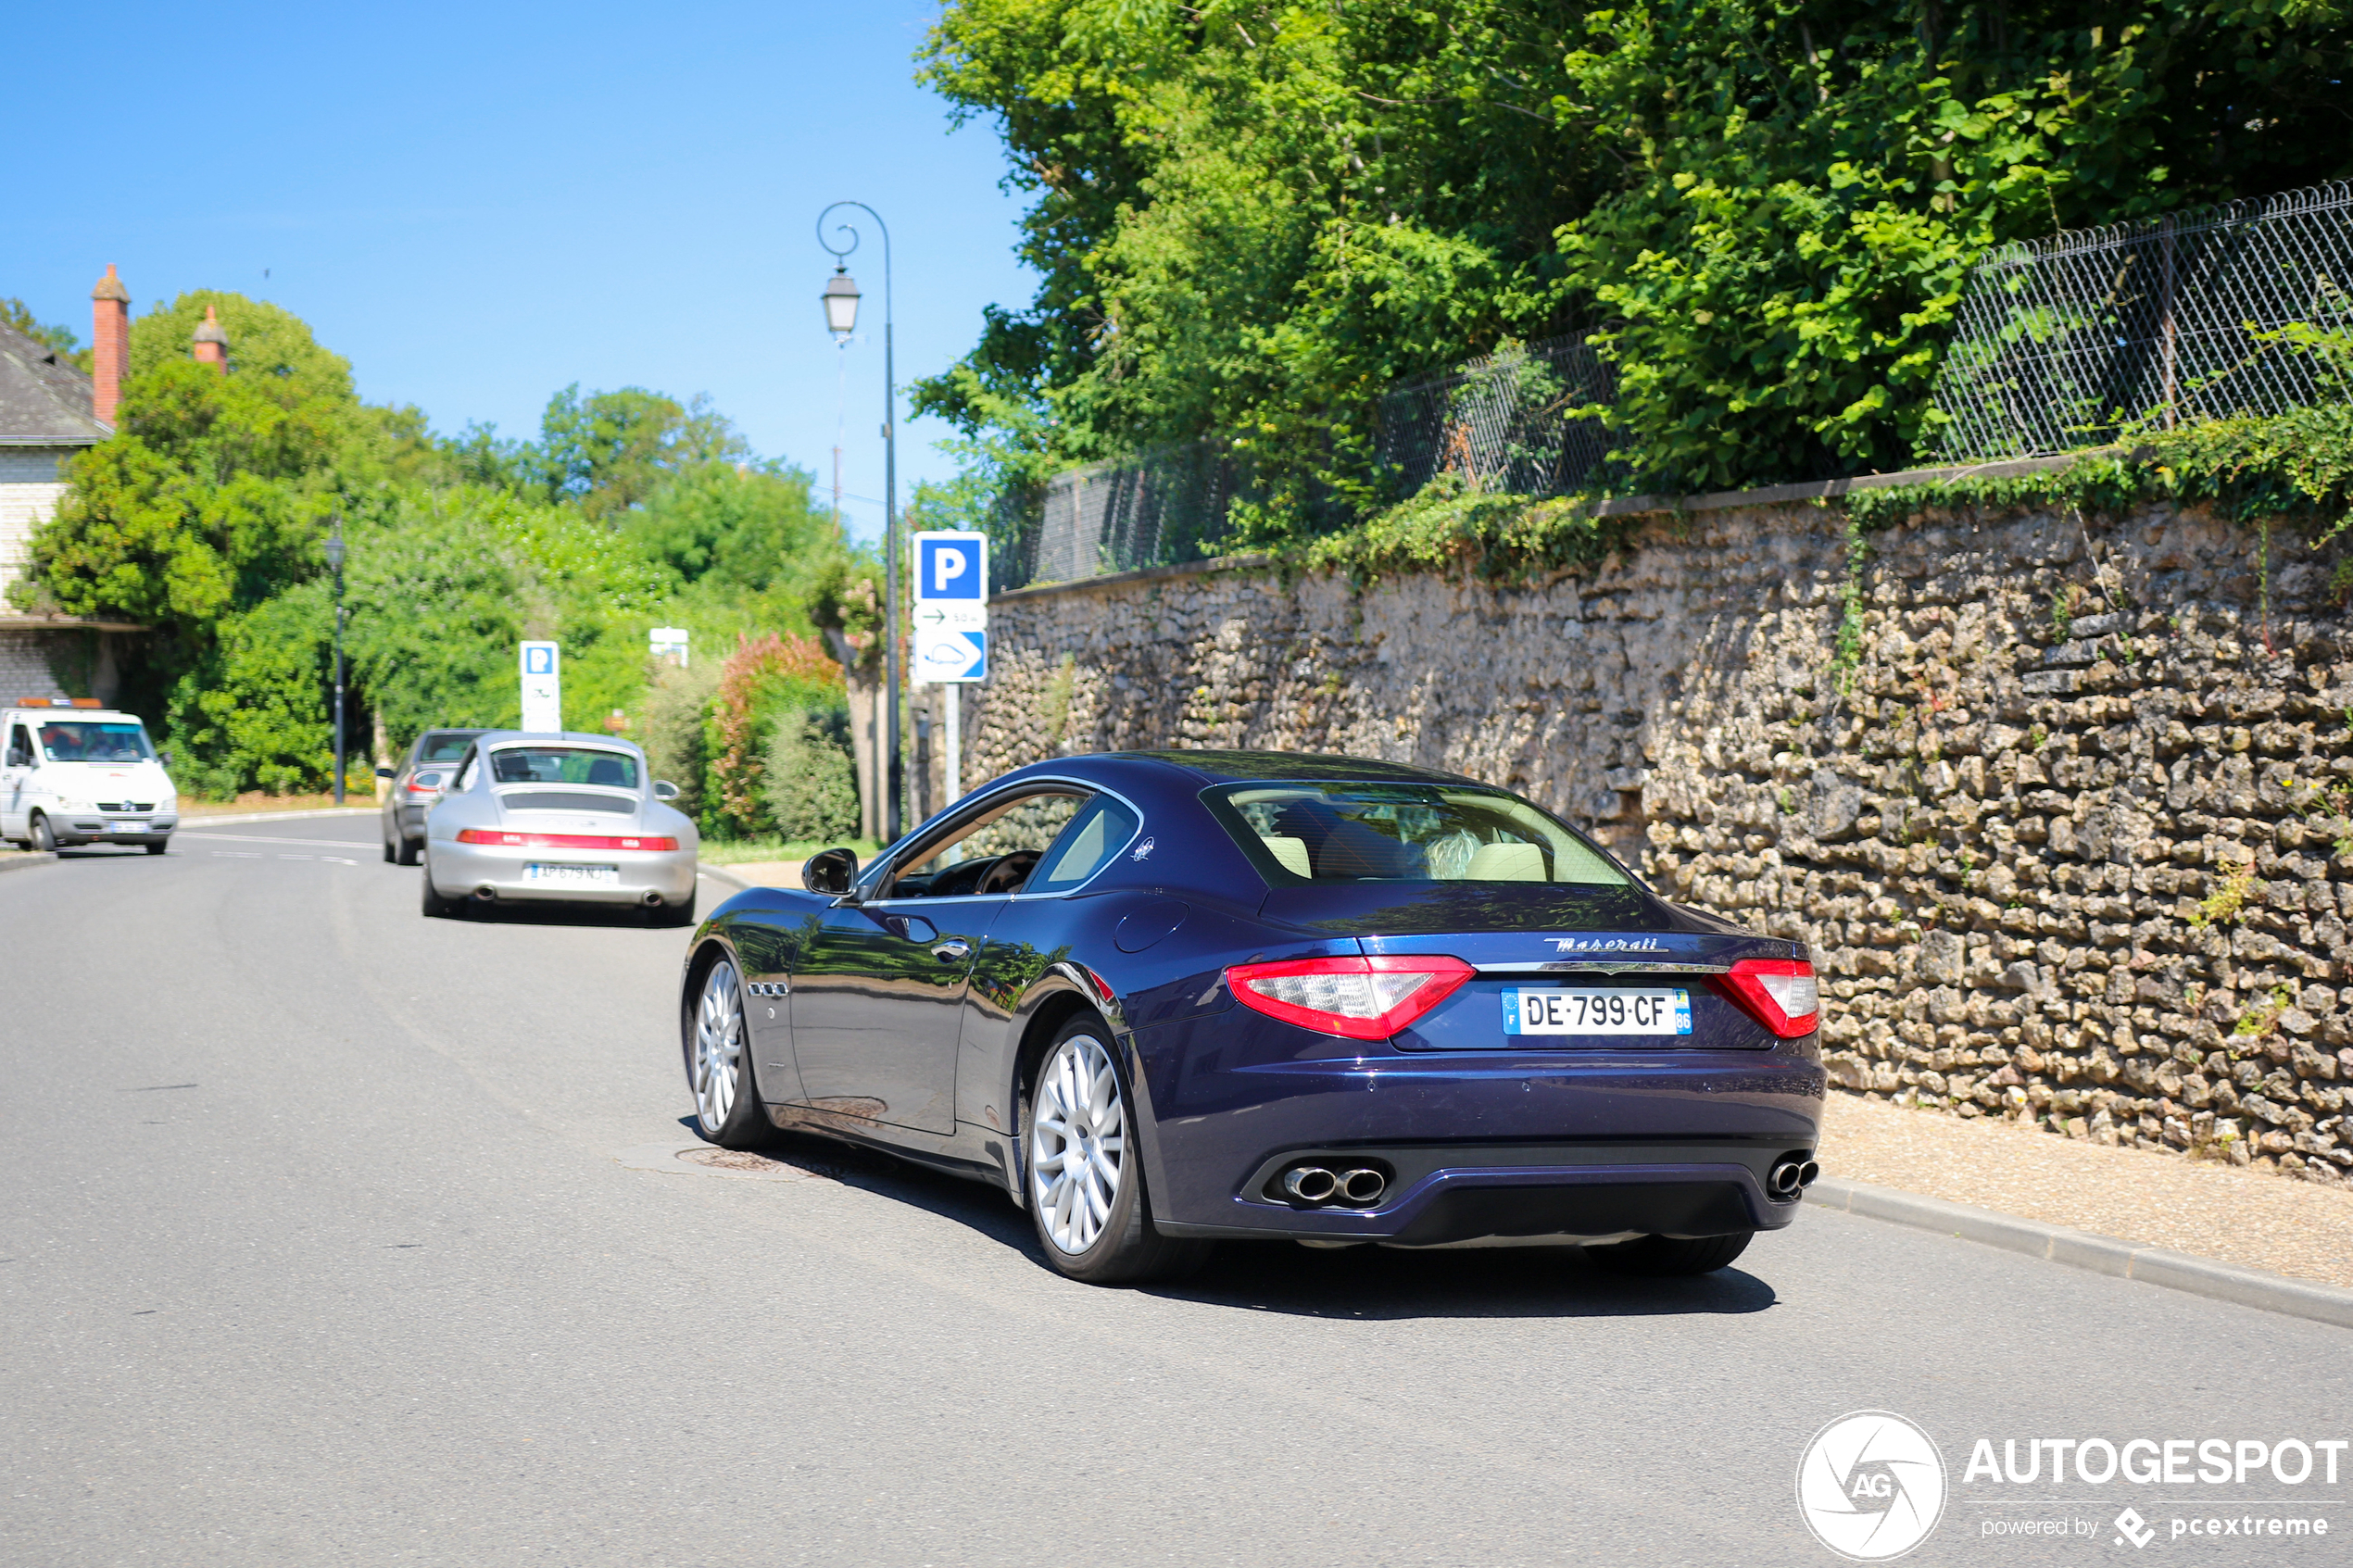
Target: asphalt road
[(314, 1248)]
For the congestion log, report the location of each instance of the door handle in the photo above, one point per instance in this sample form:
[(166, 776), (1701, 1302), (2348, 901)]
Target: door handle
[(954, 948)]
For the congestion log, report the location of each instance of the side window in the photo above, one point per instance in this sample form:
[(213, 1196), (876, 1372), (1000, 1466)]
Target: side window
[(993, 852), (1094, 836), (20, 747)]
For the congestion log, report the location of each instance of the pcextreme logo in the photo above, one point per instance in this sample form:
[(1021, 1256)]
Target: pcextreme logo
[(1870, 1486)]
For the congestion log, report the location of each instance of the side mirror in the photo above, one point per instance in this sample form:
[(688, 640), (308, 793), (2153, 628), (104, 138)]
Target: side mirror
[(831, 872), (162, 757), (386, 774), (665, 790)]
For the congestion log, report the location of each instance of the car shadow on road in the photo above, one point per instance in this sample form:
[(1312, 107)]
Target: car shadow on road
[(626, 917), (1369, 1284)]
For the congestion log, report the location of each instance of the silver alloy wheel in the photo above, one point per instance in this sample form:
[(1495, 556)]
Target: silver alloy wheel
[(719, 1046), (1077, 1143)]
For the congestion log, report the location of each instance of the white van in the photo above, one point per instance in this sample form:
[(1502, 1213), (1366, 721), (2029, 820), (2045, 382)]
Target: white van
[(74, 772)]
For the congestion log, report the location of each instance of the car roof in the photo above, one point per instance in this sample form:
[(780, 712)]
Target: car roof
[(492, 740), (1258, 767)]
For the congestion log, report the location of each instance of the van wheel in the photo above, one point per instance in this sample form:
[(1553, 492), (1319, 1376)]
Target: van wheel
[(43, 840), (157, 846)]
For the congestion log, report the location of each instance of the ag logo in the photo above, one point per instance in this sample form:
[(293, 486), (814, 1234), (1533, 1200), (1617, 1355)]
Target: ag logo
[(1871, 1486)]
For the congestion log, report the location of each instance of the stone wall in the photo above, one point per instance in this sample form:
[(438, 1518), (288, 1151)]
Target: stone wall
[(2068, 831)]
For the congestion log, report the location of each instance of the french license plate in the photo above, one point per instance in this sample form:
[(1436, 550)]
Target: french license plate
[(585, 876), (130, 827), (1564, 1010)]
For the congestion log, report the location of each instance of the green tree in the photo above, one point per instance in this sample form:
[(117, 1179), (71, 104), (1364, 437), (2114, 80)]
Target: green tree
[(1249, 218), (611, 450), (16, 313)]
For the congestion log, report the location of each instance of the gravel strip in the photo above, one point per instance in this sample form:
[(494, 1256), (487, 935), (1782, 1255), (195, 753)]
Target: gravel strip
[(2238, 1216)]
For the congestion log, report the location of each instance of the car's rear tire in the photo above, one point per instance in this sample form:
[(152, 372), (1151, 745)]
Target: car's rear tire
[(435, 906), (43, 840), (411, 848), (390, 857), (673, 914), (1659, 1257), (719, 1067), (1082, 1171)]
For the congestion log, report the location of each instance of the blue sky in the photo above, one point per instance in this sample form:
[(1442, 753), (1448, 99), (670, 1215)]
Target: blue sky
[(478, 204)]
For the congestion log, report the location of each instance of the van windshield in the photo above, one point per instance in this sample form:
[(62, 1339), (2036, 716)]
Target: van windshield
[(93, 741), (1317, 833)]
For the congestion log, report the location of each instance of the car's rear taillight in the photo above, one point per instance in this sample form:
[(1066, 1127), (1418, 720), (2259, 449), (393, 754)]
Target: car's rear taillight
[(561, 840), (1359, 998), (1778, 993)]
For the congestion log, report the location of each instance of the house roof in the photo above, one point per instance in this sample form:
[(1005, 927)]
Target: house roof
[(43, 400)]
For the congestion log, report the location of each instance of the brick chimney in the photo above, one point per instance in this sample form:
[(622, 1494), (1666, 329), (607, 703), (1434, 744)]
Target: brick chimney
[(109, 344), (212, 343)]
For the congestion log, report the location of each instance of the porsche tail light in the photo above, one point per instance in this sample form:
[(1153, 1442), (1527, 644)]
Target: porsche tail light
[(1358, 998), (1778, 993), (561, 840)]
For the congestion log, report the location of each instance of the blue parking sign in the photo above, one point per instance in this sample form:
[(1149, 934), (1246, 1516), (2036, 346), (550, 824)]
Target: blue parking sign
[(948, 566)]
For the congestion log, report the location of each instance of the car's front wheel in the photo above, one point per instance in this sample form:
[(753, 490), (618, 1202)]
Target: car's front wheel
[(43, 839), (1084, 1178), (1665, 1255), (719, 1064)]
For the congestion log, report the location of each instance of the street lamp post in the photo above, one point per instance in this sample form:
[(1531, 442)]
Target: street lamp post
[(840, 300), (335, 559)]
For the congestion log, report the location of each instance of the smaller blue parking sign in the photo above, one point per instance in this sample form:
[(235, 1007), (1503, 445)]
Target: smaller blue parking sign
[(947, 654)]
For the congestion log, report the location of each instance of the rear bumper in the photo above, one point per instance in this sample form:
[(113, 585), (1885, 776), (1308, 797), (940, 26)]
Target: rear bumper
[(1444, 1194), (1567, 1143), (458, 870)]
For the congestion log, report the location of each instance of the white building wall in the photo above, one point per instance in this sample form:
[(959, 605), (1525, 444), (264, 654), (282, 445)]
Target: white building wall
[(30, 489)]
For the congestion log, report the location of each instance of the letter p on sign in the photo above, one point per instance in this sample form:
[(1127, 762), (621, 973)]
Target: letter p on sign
[(951, 566)]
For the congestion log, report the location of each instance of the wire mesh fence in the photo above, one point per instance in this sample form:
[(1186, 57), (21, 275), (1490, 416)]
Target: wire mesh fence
[(1153, 509), (2093, 335), (1507, 423)]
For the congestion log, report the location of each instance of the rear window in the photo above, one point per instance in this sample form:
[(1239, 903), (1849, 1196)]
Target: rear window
[(563, 764), (1299, 833), (445, 748)]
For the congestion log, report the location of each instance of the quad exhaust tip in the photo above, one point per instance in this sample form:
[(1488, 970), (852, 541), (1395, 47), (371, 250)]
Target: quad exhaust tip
[(1359, 1185), (1791, 1176)]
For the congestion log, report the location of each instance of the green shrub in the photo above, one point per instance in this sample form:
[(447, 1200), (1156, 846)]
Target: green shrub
[(809, 781)]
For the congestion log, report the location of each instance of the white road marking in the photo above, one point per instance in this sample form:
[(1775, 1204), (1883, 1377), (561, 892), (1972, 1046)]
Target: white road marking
[(263, 838)]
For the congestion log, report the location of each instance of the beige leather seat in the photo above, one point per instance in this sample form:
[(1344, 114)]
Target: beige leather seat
[(1507, 863)]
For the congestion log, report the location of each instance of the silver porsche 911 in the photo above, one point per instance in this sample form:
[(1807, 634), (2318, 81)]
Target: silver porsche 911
[(568, 819)]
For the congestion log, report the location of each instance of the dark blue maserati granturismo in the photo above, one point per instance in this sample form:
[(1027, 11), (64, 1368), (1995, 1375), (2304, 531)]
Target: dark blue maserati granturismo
[(1168, 998)]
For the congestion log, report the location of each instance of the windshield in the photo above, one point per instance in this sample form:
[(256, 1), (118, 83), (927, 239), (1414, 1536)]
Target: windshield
[(564, 764), (88, 741), (1314, 833)]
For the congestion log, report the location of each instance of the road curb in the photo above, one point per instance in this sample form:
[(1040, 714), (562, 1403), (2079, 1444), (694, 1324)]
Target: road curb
[(721, 874), (31, 857), (2082, 1249), (278, 816)]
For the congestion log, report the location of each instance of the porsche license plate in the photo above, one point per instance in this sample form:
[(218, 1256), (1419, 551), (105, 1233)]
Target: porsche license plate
[(1566, 1011), (578, 876)]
